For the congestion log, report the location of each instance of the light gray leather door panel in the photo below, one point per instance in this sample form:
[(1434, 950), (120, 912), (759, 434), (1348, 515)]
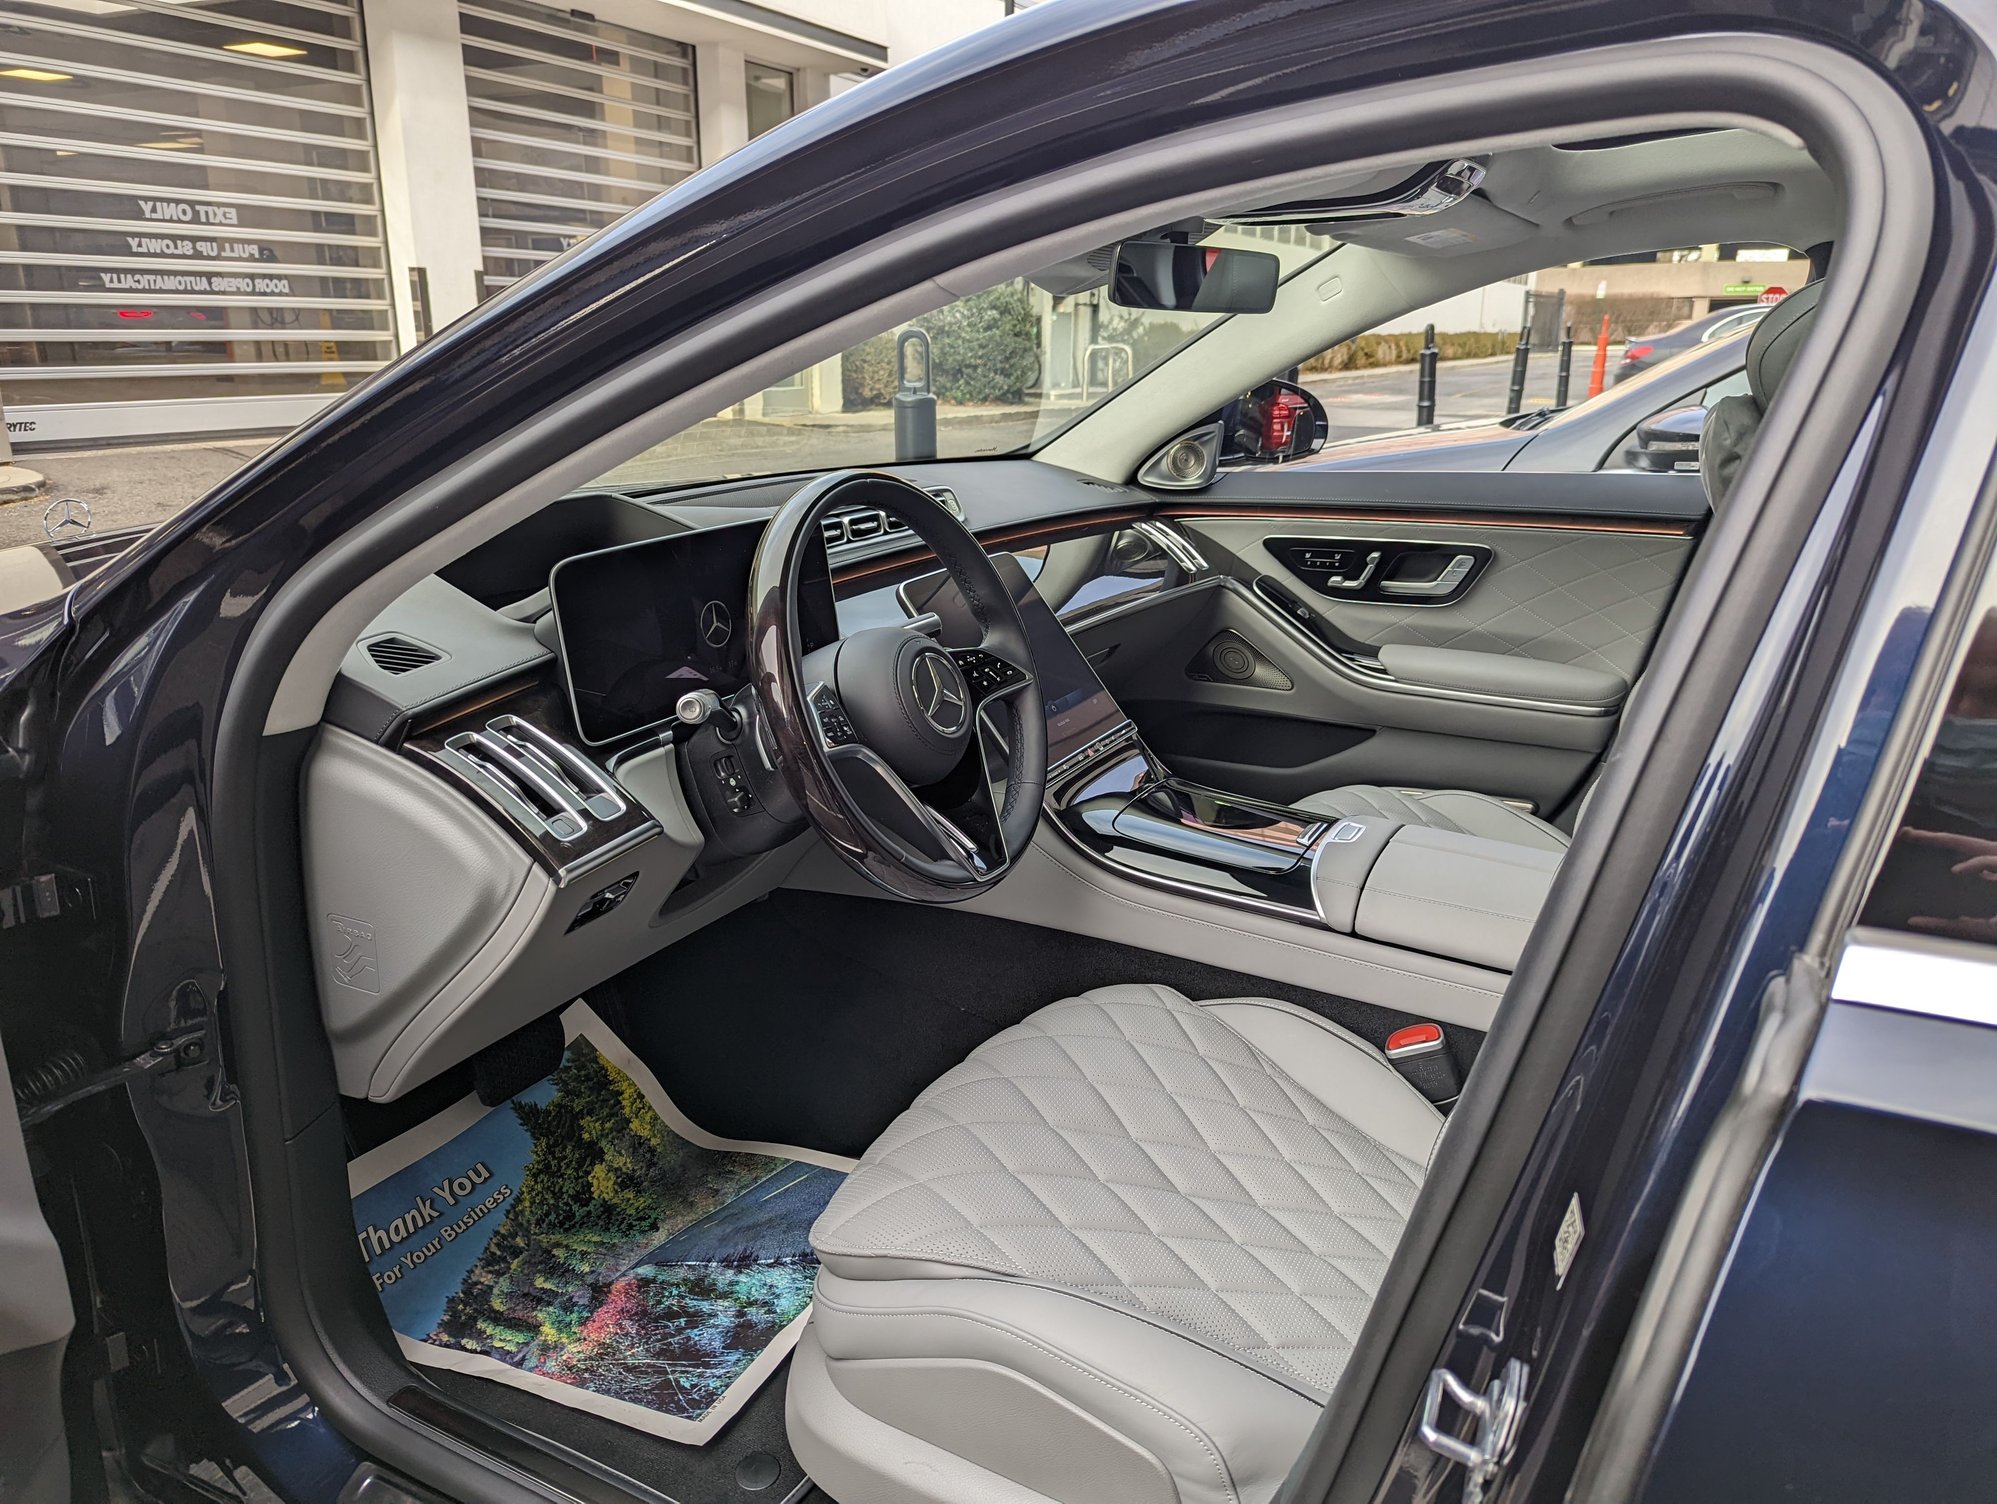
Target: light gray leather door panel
[(1331, 726), (1592, 597)]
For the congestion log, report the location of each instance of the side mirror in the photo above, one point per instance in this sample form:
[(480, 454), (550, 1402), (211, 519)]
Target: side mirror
[(1278, 421), (1175, 278), (1667, 441)]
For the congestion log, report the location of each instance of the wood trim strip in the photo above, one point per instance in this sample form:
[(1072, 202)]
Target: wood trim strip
[(1553, 522)]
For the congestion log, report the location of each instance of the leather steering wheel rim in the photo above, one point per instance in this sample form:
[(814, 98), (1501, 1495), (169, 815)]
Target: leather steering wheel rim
[(797, 726)]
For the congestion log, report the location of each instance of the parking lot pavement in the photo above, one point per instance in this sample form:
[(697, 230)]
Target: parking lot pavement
[(125, 486), (1362, 404)]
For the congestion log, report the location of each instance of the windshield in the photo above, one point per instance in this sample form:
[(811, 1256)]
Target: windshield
[(991, 374)]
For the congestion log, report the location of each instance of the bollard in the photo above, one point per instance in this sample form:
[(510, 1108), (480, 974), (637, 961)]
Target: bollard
[(1600, 376), (1566, 365), (1425, 379), (1521, 353), (914, 403)]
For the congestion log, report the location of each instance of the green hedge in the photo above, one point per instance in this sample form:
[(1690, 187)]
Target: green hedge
[(1370, 350), (984, 349)]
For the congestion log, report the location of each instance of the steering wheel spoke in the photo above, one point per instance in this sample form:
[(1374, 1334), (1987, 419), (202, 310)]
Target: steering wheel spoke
[(898, 811)]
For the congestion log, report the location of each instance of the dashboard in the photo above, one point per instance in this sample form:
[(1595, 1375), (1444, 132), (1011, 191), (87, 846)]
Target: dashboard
[(495, 815)]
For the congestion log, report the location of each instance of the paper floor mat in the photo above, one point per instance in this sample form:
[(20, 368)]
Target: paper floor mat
[(586, 1242)]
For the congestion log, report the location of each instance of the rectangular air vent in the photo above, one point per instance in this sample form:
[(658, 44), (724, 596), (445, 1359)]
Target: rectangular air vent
[(399, 655), (544, 784), (862, 524)]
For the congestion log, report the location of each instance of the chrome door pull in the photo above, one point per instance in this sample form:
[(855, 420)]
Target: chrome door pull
[(1451, 576)]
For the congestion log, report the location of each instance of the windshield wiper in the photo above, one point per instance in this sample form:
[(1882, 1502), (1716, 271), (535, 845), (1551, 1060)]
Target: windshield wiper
[(1538, 417)]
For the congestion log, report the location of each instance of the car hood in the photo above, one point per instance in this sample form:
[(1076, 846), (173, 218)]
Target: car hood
[(1469, 446)]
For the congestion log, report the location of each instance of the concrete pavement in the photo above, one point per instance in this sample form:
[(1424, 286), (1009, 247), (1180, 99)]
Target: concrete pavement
[(126, 486)]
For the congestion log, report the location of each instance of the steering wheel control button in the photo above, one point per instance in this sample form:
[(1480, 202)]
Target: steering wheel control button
[(833, 726), (987, 673)]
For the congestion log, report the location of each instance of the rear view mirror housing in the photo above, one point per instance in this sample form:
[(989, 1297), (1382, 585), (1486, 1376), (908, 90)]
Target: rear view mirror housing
[(1166, 276)]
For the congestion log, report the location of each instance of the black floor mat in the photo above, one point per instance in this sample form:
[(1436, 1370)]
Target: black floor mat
[(710, 1474), (812, 1018)]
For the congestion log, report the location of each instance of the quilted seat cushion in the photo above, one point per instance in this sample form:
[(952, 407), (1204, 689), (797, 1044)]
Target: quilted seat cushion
[(1139, 1150), (1456, 810)]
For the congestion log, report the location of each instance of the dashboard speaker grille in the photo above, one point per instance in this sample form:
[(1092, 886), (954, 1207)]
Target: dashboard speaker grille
[(399, 655)]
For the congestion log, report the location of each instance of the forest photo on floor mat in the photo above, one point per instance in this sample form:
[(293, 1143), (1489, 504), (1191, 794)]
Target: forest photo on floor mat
[(615, 1256)]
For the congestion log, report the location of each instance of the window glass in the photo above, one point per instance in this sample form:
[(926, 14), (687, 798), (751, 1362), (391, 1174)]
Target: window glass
[(772, 98), (1005, 369), (1940, 873)]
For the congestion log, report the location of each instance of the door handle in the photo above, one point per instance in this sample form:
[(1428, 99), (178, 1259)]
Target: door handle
[(1443, 584)]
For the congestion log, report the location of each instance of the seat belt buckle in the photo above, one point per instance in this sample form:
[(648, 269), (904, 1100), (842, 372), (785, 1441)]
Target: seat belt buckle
[(1421, 1055)]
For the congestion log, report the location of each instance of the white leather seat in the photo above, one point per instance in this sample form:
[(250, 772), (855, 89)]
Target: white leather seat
[(1457, 810), (1118, 1256)]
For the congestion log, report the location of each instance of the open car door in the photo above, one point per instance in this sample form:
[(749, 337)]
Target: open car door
[(35, 1321)]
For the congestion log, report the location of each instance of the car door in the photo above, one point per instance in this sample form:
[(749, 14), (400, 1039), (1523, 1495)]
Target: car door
[(1410, 629), (35, 1320)]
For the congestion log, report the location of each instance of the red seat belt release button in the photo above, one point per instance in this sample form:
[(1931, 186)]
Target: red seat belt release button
[(1422, 1056), (1415, 1039)]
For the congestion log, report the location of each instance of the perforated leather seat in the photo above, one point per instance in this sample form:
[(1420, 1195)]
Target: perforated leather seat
[(1119, 1255)]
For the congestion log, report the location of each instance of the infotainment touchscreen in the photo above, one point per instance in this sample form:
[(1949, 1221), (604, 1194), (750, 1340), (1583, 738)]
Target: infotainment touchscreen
[(1079, 708), (643, 624)]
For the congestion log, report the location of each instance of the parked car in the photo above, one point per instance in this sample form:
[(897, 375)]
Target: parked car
[(1639, 355), (1603, 432), (568, 935)]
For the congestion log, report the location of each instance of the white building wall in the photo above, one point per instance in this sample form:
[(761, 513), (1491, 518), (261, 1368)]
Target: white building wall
[(424, 154), (1494, 310)]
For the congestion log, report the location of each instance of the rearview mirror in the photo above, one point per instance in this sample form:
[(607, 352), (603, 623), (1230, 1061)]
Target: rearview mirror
[(1193, 278)]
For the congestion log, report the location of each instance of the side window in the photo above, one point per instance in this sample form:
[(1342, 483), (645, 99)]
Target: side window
[(1940, 873)]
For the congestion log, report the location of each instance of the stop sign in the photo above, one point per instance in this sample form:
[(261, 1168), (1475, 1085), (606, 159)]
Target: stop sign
[(1772, 294)]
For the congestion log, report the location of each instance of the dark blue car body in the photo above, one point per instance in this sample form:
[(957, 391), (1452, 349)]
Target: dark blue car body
[(1861, 1267)]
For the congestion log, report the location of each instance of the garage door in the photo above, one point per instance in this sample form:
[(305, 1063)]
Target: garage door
[(190, 226), (574, 121)]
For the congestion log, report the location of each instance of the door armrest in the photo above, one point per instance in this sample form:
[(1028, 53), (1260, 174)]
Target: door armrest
[(1503, 674)]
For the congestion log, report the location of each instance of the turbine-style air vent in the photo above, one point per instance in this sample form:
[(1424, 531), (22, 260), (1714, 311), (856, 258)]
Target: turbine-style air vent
[(399, 655)]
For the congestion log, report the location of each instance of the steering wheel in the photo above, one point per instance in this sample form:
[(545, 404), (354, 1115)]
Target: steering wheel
[(885, 738)]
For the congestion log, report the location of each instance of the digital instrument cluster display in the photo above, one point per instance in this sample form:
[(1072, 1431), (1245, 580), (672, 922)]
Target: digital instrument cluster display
[(643, 624)]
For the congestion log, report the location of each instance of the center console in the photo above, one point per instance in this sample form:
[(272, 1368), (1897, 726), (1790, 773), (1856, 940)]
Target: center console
[(1437, 891), (1440, 892)]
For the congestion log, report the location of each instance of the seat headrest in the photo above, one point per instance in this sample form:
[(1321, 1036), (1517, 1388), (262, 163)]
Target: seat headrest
[(1777, 338), (1732, 422)]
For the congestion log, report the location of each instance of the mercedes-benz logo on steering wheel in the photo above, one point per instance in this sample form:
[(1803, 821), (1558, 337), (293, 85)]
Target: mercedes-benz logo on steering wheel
[(716, 625), (939, 692)]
